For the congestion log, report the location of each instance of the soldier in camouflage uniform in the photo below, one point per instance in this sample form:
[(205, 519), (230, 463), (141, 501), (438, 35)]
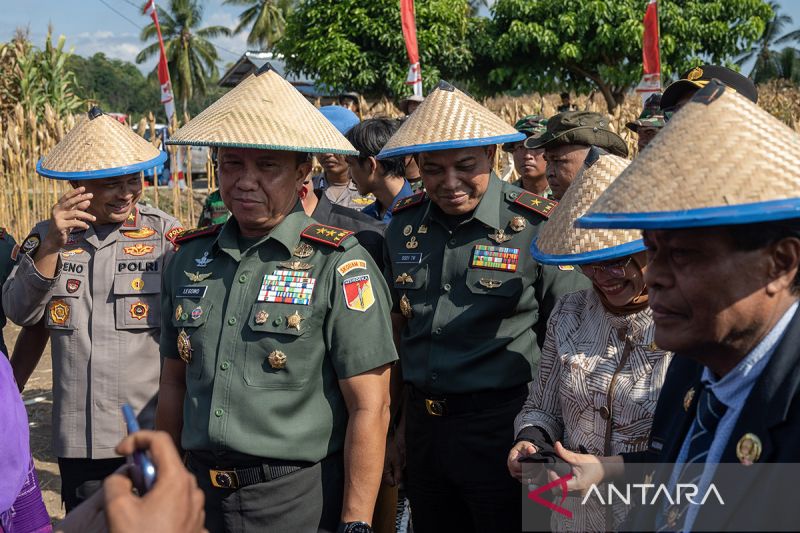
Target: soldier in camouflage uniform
[(649, 123), (529, 162)]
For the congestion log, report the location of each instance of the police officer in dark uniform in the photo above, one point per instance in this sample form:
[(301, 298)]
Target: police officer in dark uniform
[(276, 335), (470, 309)]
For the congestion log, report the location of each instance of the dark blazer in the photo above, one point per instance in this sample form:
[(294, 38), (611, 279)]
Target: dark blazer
[(368, 231), (771, 412)]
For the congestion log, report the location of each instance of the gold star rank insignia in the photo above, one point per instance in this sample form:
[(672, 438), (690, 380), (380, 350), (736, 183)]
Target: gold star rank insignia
[(534, 202), (293, 321)]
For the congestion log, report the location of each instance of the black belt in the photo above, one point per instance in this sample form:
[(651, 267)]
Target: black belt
[(237, 477), (453, 404)]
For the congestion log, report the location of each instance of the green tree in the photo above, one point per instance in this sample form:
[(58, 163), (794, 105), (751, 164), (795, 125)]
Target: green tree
[(266, 20), (552, 45), (768, 63), (115, 85), (358, 44), (190, 54)]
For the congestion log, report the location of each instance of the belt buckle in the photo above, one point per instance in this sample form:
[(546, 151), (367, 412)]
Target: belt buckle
[(224, 479), (435, 407)]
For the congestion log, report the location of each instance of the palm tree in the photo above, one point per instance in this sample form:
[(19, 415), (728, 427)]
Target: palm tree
[(265, 18), (190, 54), (766, 65)]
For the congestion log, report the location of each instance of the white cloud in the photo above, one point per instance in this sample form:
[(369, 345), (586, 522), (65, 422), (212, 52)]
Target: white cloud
[(124, 46)]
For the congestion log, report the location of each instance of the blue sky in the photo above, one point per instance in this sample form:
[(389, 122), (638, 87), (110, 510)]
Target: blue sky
[(113, 26)]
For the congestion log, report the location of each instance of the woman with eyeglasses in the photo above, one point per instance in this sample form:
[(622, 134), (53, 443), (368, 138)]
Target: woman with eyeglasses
[(600, 372)]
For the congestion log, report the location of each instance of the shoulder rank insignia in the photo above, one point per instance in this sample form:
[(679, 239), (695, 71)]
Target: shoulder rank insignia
[(408, 201), (326, 234), (536, 203), (189, 234), (133, 218)]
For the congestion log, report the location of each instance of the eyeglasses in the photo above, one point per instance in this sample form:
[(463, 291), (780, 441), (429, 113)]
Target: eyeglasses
[(614, 270)]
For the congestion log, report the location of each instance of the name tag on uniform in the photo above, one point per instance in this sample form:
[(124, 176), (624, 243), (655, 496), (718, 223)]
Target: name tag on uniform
[(495, 258), (192, 291), (409, 258)]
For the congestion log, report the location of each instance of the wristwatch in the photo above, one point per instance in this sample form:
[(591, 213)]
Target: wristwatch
[(354, 527)]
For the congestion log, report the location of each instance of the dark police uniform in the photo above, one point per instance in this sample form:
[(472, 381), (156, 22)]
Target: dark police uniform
[(267, 327), (476, 306)]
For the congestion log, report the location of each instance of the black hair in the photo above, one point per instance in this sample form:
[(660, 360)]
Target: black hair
[(564, 95), (748, 237), (370, 136)]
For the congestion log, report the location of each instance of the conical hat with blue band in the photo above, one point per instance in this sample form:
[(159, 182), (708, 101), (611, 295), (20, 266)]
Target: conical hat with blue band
[(99, 146), (720, 160), (560, 243), (264, 112), (447, 119)]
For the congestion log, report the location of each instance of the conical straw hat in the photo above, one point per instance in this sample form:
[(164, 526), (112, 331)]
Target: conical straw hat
[(720, 160), (99, 146), (446, 119), (264, 111), (560, 243)]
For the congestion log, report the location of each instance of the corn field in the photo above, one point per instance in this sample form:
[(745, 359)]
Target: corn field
[(25, 137)]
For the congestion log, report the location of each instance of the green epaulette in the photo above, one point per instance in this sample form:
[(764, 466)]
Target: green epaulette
[(329, 235), (408, 201), (190, 234), (534, 202)]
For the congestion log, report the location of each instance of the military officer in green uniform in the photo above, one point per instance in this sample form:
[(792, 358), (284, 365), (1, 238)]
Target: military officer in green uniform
[(214, 211), (470, 309), (277, 337)]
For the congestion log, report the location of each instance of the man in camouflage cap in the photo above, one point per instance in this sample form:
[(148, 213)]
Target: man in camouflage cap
[(567, 141), (529, 162), (650, 121)]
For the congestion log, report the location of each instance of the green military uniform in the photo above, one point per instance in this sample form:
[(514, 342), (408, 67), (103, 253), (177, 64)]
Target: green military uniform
[(476, 306), (7, 255), (473, 328), (214, 210), (234, 326)]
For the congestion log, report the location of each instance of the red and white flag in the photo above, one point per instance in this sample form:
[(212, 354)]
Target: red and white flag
[(414, 77), (163, 72), (651, 61)]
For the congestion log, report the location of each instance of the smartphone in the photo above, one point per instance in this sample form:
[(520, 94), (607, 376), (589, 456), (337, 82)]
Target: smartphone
[(143, 471)]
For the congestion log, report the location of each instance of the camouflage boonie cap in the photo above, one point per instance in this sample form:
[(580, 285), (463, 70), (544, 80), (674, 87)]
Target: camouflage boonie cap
[(579, 127), (651, 117), (531, 126)]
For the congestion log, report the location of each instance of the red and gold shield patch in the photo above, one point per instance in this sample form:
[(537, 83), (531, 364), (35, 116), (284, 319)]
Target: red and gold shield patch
[(358, 293), (73, 285), (139, 310)]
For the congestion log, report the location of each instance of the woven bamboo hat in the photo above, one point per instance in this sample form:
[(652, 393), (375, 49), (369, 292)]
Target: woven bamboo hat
[(266, 112), (720, 160), (99, 146), (560, 243), (447, 119)]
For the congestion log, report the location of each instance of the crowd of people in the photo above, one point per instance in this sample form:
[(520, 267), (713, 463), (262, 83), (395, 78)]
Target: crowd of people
[(407, 341)]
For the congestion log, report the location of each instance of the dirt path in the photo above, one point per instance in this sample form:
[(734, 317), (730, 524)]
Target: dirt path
[(38, 400)]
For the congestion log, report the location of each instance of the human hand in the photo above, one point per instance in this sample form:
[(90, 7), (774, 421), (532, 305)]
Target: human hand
[(587, 469), (395, 461), (174, 504), (67, 215), (521, 449)]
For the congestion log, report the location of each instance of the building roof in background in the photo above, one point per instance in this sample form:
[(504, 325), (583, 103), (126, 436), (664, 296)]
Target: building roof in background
[(252, 60)]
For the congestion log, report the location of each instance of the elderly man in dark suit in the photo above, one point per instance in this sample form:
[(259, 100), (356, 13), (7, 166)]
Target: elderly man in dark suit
[(723, 286)]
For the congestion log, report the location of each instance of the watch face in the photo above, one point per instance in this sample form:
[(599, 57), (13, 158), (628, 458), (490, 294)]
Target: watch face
[(358, 527)]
